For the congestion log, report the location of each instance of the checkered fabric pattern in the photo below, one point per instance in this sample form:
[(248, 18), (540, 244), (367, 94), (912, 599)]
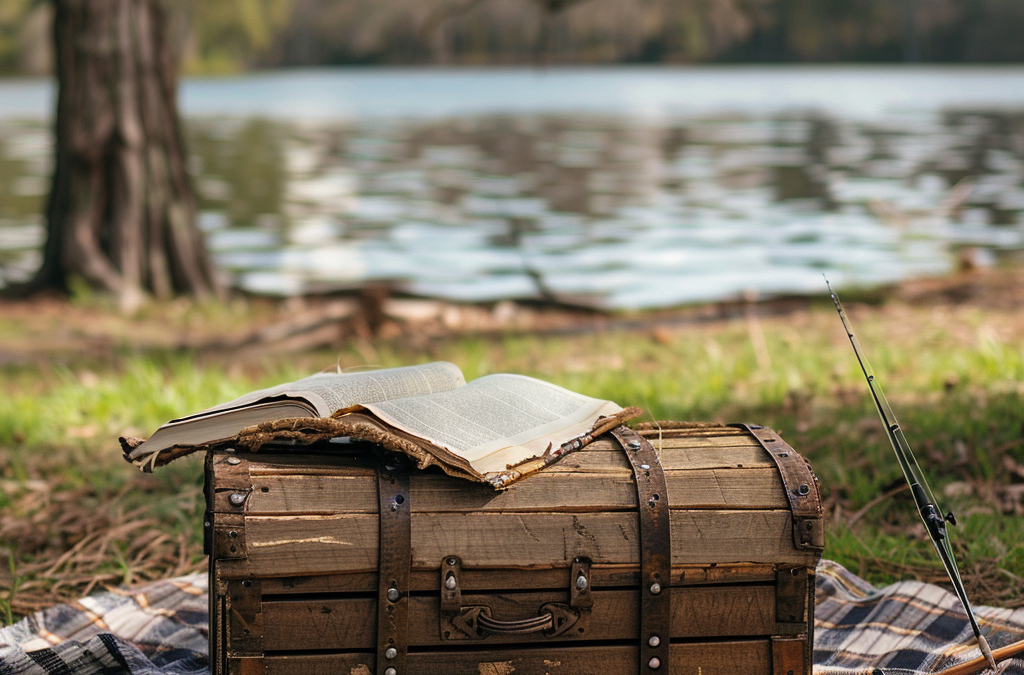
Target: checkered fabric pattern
[(909, 628), (903, 629), (156, 629)]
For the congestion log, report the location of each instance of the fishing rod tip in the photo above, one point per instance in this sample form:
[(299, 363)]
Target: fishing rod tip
[(831, 293)]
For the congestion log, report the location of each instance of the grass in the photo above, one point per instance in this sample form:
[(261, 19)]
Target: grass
[(77, 517)]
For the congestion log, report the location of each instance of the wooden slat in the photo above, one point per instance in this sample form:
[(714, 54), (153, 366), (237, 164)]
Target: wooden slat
[(666, 430), (699, 478), (516, 579), (667, 439), (544, 492), (297, 545), (734, 657), (594, 461), (598, 456), (669, 442), (342, 624), (677, 453), (302, 464)]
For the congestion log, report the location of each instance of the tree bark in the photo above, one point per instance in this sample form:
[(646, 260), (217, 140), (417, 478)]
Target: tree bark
[(121, 213)]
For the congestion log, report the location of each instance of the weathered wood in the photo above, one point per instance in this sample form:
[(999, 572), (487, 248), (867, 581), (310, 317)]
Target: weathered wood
[(678, 450), (729, 477), (671, 430), (246, 665), (602, 576), (218, 622), (232, 472), (297, 545), (734, 657), (228, 541), (326, 453), (311, 540), (789, 656), (546, 492), (673, 442), (245, 618), (597, 460), (707, 612), (344, 484), (598, 456)]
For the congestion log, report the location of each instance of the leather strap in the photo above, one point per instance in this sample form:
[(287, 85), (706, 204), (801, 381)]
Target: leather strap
[(801, 487), (655, 550), (394, 565)]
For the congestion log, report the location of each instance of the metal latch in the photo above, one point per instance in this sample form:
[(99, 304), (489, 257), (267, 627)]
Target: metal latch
[(476, 622)]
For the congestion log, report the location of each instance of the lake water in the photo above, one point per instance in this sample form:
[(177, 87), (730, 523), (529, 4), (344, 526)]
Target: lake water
[(615, 188)]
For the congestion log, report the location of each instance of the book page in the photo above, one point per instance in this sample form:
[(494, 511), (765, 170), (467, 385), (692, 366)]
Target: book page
[(328, 392), (497, 420), (223, 425)]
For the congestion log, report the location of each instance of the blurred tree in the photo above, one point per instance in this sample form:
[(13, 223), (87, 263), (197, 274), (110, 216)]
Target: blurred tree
[(121, 212)]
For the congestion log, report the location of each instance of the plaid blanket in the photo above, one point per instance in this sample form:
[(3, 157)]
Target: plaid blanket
[(161, 629), (157, 629), (903, 629)]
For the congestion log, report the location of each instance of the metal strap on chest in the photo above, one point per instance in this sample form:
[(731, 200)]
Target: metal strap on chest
[(801, 487), (394, 566), (655, 550)]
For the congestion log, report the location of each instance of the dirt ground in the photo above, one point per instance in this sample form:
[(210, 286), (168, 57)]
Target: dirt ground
[(48, 328)]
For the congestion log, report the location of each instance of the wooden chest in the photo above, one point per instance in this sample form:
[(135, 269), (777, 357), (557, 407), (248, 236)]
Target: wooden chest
[(337, 560)]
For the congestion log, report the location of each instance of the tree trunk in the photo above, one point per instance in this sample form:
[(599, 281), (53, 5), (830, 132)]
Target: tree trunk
[(121, 213)]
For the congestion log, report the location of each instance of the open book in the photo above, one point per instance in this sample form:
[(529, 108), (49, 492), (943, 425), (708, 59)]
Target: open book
[(496, 429)]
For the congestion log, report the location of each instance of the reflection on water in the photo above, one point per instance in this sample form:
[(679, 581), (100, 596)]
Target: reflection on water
[(607, 210)]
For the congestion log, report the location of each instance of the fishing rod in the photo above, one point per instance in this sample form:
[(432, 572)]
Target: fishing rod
[(927, 507)]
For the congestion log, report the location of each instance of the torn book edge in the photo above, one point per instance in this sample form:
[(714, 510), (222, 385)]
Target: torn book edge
[(309, 430)]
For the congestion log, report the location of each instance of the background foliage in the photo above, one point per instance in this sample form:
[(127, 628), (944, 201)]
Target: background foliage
[(235, 35)]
